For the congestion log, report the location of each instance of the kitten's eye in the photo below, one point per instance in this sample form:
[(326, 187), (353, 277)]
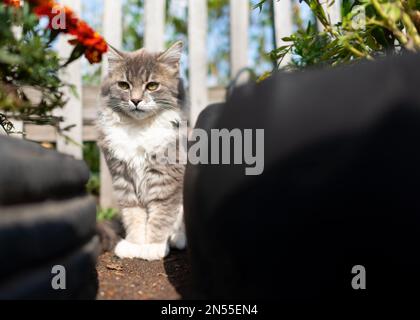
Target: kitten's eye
[(123, 85), (152, 86)]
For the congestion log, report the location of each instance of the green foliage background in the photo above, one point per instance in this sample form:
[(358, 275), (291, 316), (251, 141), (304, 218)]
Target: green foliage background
[(27, 60), (389, 27)]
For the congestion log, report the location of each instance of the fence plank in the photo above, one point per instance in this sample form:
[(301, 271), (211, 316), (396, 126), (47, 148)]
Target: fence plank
[(154, 24), (90, 108), (112, 31), (38, 133), (333, 12), (72, 111), (239, 24), (283, 25), (18, 128), (197, 40), (112, 26)]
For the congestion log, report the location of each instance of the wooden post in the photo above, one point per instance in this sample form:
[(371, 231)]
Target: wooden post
[(333, 12), (283, 24), (112, 31), (197, 30), (72, 111), (154, 27), (239, 24)]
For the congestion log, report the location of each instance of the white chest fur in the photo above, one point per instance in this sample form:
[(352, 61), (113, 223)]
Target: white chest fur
[(132, 141)]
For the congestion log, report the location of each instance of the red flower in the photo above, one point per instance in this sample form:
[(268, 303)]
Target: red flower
[(93, 55), (43, 10), (93, 43), (71, 21), (83, 32), (12, 3), (41, 2), (51, 10)]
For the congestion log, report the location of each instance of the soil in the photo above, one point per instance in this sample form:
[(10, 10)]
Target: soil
[(136, 279)]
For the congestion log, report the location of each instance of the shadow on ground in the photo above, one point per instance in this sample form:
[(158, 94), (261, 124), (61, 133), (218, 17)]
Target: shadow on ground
[(136, 279), (178, 269)]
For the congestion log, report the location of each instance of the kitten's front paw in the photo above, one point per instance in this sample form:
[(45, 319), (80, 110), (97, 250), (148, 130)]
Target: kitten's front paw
[(125, 249), (178, 240), (154, 251)]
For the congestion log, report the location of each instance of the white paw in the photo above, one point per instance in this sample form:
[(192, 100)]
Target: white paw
[(178, 240), (154, 251), (125, 249)]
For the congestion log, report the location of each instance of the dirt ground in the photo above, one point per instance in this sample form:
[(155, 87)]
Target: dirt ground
[(135, 279)]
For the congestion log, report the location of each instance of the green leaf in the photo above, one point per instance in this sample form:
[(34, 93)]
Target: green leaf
[(288, 39), (8, 58), (77, 52), (73, 91), (106, 214), (259, 5), (392, 11)]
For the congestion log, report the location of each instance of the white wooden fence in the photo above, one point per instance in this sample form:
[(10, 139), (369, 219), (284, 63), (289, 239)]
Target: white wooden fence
[(82, 111)]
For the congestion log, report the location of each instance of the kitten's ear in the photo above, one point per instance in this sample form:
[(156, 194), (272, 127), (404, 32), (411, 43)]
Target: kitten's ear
[(172, 56), (114, 56)]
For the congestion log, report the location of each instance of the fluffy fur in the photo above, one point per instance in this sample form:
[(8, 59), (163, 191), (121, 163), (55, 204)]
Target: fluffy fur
[(137, 125)]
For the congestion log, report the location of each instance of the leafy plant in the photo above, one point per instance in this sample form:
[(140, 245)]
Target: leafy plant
[(106, 214), (368, 29), (28, 62), (94, 184), (92, 159)]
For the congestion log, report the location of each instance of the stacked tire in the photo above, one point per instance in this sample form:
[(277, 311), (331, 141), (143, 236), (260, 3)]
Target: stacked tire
[(46, 220), (339, 190)]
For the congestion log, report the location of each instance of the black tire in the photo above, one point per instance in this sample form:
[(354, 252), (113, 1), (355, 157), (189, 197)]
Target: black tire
[(30, 173), (46, 219), (31, 233), (339, 188), (35, 282)]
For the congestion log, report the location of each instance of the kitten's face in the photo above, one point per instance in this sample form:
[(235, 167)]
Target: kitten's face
[(142, 84)]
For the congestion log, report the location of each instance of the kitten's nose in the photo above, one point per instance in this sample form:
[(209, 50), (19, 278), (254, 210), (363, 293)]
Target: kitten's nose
[(136, 101)]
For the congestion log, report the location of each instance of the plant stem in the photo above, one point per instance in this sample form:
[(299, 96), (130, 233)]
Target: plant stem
[(411, 30), (390, 24)]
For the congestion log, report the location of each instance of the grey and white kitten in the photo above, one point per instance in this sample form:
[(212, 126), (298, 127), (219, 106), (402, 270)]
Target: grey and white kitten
[(138, 121)]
